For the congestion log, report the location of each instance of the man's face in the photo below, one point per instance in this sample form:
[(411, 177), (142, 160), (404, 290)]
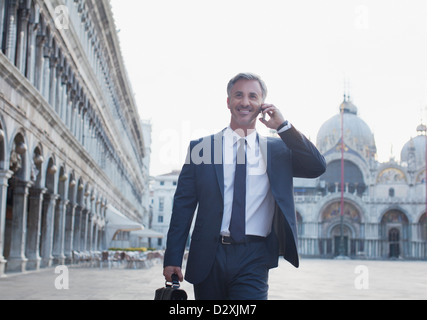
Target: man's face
[(244, 103)]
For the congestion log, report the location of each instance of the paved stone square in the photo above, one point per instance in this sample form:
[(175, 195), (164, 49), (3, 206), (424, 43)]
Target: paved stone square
[(337, 279), (316, 279)]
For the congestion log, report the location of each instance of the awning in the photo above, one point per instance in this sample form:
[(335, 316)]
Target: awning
[(118, 221), (148, 233)]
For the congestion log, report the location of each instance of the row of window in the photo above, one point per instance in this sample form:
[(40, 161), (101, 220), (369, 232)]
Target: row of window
[(161, 200), (28, 40)]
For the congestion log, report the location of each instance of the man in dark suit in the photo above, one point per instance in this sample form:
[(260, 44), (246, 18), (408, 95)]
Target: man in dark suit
[(242, 186)]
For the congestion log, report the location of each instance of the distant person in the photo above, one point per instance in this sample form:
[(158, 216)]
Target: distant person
[(242, 185)]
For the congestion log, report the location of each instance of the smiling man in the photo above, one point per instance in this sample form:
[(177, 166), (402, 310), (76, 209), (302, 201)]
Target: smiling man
[(244, 195), (245, 98)]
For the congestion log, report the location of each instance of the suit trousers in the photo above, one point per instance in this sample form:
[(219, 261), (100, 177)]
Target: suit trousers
[(240, 272)]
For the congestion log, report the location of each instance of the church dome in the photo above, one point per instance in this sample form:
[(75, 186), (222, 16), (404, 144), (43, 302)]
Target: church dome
[(357, 134), (414, 151)]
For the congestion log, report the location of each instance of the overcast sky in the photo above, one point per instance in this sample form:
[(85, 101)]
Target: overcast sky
[(180, 55)]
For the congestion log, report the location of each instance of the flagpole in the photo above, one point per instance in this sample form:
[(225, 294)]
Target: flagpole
[(341, 249)]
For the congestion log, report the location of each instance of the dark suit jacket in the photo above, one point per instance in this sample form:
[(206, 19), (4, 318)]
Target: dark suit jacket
[(201, 185)]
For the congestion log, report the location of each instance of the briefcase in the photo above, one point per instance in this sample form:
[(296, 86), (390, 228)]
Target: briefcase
[(172, 291)]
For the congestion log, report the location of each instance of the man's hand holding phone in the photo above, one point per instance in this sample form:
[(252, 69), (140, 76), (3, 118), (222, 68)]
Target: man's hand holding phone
[(276, 118)]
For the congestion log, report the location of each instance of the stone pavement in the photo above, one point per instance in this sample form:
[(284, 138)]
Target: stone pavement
[(316, 279)]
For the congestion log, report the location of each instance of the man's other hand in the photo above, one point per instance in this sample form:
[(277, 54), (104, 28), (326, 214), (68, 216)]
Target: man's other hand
[(169, 271)]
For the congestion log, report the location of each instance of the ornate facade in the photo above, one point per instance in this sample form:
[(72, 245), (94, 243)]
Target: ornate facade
[(385, 203), (71, 140)]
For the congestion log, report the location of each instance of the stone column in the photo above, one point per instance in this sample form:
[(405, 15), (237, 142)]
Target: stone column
[(73, 109), (31, 51), (95, 240), (46, 69), (17, 261), (21, 52), (69, 106), (59, 232), (53, 78), (90, 233), (59, 87), (4, 177), (80, 122), (11, 21), (77, 228), (64, 97), (48, 215), (35, 206), (69, 232), (40, 61), (2, 16), (84, 227), (104, 244)]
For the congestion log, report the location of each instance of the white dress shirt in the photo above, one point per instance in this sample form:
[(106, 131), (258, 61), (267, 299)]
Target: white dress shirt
[(260, 202)]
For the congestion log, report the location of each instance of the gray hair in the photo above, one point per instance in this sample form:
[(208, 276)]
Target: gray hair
[(248, 76)]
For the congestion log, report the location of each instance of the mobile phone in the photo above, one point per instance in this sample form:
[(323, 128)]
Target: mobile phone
[(263, 114)]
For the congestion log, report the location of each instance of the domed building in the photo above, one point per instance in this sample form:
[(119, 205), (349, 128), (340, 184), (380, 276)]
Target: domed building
[(384, 203), (357, 134), (414, 151)]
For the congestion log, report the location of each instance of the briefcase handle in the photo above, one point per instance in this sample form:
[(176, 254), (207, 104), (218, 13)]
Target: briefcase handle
[(175, 282)]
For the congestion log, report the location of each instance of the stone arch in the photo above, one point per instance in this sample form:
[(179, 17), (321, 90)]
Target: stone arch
[(17, 204), (331, 211), (18, 157), (395, 232), (60, 217), (391, 175), (394, 215), (331, 225), (353, 177), (341, 233), (420, 177)]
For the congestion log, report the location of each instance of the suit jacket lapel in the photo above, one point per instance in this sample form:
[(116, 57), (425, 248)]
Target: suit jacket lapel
[(217, 158), (265, 149)]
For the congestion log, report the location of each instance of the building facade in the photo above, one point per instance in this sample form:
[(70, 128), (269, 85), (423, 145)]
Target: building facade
[(71, 140), (384, 203), (147, 136), (163, 189)]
